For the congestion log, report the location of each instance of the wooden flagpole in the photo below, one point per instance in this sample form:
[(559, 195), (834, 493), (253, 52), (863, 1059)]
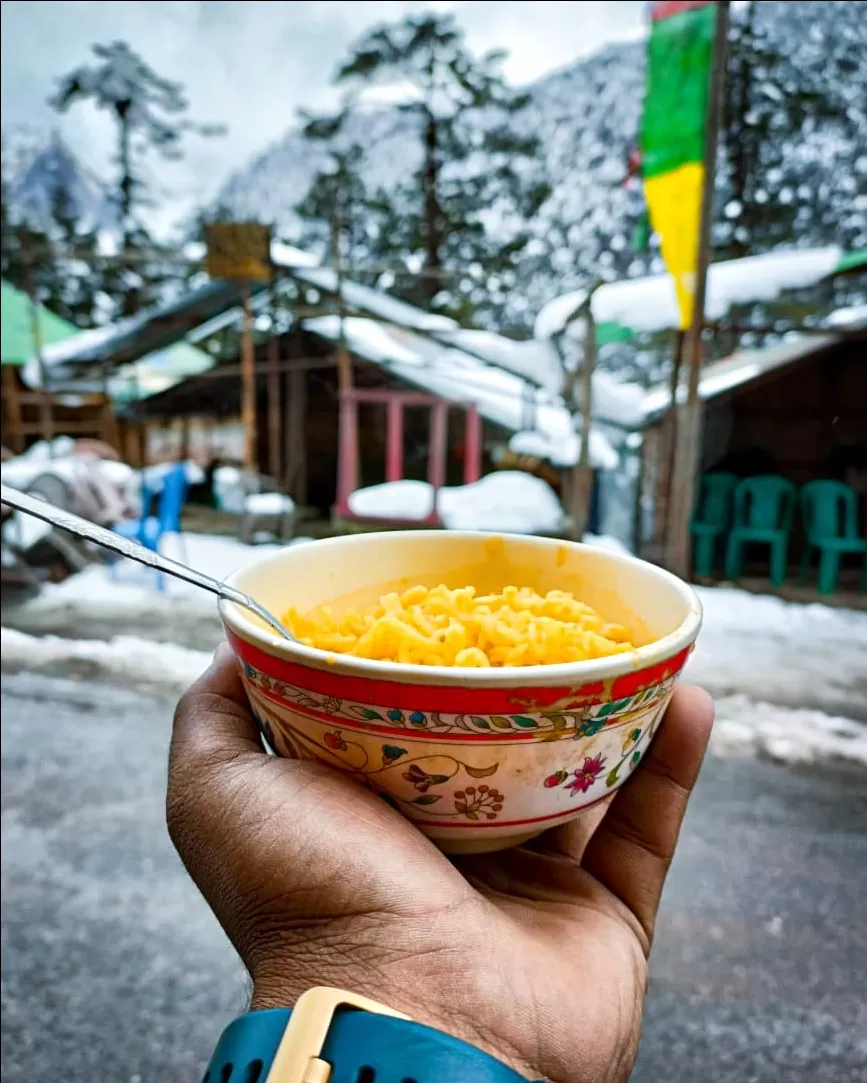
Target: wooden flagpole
[(688, 448)]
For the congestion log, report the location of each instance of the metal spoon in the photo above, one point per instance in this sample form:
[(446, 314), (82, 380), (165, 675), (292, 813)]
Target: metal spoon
[(58, 517)]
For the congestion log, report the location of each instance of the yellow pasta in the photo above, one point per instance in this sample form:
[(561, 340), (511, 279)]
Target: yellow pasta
[(443, 627)]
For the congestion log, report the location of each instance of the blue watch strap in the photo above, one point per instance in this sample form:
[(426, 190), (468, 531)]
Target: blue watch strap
[(246, 1049), (361, 1047)]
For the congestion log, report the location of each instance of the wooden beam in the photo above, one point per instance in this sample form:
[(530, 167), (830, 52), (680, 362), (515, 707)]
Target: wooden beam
[(248, 385), (297, 439), (12, 403), (275, 413), (45, 407), (582, 473)]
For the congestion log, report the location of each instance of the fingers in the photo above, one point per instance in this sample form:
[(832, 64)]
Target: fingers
[(630, 851)]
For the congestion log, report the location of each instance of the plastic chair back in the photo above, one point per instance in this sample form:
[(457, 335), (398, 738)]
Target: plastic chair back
[(766, 502), (830, 510), (714, 505), (172, 497)]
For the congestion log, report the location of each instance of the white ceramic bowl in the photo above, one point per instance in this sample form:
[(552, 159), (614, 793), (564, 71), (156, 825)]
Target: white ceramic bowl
[(478, 759)]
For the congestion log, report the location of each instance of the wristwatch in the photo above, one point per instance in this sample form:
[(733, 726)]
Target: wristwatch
[(332, 1036)]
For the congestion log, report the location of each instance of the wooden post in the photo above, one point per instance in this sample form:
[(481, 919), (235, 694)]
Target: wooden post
[(437, 446), (347, 452), (275, 414), (688, 456), (582, 474), (45, 412), (344, 361), (668, 445), (296, 437), (248, 385), (12, 403), (394, 440), (473, 445)]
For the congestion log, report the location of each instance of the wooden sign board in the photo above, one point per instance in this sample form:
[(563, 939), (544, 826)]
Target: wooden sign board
[(240, 250)]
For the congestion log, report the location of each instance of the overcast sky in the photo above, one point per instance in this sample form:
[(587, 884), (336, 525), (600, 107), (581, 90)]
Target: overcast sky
[(252, 63)]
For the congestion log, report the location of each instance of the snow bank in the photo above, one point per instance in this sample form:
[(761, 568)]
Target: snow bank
[(509, 502), (405, 499), (132, 587), (786, 734), (126, 658), (269, 504), (796, 656)]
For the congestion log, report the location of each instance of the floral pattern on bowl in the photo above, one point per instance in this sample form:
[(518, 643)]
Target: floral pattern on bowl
[(431, 764)]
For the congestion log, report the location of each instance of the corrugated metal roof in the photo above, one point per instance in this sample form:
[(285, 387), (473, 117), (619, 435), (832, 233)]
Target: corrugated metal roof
[(16, 326), (720, 377)]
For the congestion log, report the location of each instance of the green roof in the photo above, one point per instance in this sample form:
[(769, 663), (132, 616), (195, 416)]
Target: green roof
[(16, 326), (851, 261)]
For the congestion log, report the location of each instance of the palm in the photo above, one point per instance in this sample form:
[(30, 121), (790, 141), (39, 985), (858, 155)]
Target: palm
[(537, 954)]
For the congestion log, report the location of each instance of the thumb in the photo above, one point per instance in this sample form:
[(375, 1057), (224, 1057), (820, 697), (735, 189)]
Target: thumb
[(213, 723)]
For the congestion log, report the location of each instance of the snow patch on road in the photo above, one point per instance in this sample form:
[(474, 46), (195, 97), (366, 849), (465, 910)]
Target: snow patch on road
[(743, 725), (126, 658), (786, 734)]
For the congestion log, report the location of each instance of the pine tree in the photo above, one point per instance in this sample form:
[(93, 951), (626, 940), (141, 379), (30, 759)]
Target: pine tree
[(338, 211), (774, 108), (462, 211), (148, 110)]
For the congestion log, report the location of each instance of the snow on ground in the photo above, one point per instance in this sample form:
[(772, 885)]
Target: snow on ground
[(126, 658), (404, 499), (508, 501), (131, 586), (268, 504), (786, 734)]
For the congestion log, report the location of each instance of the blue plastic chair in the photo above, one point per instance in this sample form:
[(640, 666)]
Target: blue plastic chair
[(712, 517), (149, 529), (764, 510), (830, 511)]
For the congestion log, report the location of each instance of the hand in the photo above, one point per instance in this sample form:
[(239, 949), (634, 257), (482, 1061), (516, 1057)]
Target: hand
[(538, 954)]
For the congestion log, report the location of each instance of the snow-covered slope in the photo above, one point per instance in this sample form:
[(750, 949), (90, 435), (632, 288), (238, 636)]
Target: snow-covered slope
[(36, 168), (586, 116)]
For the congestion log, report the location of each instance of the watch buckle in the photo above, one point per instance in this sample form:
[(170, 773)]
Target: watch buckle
[(298, 1058)]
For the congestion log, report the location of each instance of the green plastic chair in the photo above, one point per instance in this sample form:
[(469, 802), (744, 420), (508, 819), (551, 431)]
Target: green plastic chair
[(830, 511), (764, 510), (713, 516)]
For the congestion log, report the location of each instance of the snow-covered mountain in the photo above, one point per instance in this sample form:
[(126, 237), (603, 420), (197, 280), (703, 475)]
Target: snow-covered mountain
[(587, 116), (36, 167)]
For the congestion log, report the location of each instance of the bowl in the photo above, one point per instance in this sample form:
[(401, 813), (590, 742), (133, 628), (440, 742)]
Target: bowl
[(478, 759)]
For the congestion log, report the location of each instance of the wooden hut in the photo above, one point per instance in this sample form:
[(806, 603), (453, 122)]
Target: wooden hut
[(798, 410)]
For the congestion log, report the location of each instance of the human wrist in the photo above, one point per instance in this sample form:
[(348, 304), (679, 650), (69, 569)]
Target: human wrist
[(273, 992)]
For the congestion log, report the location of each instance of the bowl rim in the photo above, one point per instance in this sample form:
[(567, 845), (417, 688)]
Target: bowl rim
[(558, 674)]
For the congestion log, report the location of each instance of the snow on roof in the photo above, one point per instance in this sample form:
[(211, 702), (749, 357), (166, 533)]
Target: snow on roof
[(502, 397), (536, 362), (554, 317), (851, 318), (649, 304), (738, 369)]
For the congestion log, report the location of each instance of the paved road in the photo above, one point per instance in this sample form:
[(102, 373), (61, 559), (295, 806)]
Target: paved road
[(114, 970)]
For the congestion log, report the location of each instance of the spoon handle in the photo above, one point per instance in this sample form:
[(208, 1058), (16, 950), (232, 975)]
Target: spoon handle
[(125, 547)]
